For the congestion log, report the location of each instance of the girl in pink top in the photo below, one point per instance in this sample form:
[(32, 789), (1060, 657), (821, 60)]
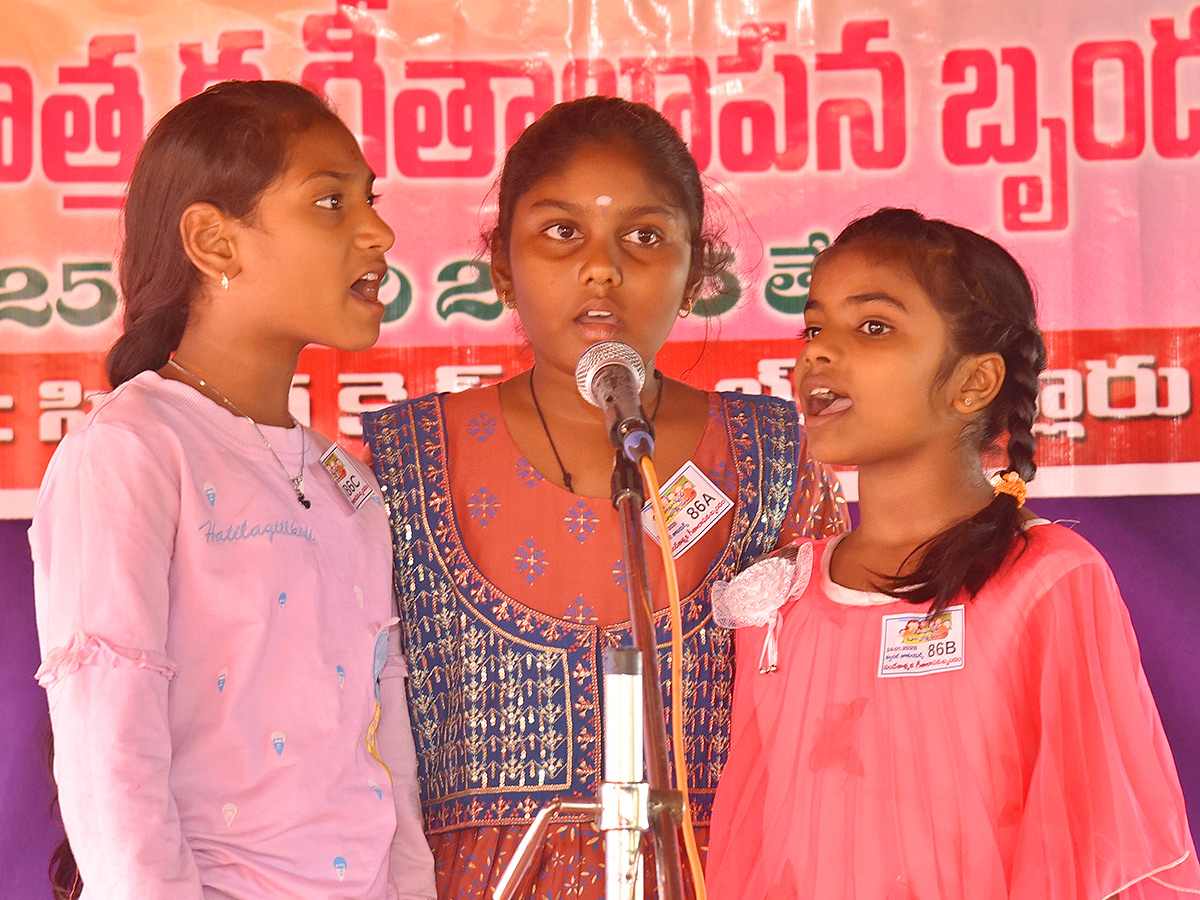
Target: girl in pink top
[(213, 580), (945, 703)]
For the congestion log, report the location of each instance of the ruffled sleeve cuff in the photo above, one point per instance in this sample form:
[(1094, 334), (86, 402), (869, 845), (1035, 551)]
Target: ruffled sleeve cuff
[(88, 650)]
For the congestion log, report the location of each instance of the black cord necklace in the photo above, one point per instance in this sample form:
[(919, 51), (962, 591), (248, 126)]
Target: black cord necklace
[(566, 476)]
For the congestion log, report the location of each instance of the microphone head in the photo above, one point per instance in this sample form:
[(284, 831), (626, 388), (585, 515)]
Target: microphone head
[(607, 353)]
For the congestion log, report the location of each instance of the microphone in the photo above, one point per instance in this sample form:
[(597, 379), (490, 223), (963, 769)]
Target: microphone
[(610, 376)]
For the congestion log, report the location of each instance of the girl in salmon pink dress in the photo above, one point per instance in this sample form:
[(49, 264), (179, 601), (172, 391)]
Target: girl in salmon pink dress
[(947, 702)]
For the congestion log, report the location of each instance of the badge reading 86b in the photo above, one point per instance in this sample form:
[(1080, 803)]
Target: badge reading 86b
[(914, 645)]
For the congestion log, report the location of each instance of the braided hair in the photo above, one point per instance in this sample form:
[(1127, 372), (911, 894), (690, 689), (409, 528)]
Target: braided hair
[(987, 303)]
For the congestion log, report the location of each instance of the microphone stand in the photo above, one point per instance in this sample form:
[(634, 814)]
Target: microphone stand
[(628, 805), (629, 498)]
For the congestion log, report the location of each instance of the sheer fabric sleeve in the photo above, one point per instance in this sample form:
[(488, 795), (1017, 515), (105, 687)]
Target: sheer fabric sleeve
[(102, 540), (818, 505), (1104, 813), (411, 861)]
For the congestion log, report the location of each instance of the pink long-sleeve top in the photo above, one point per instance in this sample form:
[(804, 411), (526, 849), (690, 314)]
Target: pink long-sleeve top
[(216, 656)]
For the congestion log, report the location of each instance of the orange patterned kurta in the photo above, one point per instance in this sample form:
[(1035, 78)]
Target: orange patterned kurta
[(506, 696)]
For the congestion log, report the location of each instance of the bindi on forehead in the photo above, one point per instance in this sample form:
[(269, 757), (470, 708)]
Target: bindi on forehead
[(604, 202)]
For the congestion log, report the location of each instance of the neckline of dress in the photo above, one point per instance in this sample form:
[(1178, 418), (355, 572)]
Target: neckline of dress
[(240, 430), (658, 616), (714, 401), (845, 596)]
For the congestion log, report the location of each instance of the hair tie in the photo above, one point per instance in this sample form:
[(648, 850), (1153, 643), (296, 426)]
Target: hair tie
[(1009, 483)]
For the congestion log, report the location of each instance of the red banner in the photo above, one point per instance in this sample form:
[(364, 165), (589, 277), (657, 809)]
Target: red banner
[(1117, 399)]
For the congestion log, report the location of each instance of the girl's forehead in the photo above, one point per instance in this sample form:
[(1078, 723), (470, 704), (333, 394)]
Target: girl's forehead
[(606, 176), (894, 260), (323, 147), (856, 273)]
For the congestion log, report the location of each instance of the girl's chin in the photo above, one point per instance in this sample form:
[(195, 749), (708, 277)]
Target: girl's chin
[(363, 338), (828, 451)]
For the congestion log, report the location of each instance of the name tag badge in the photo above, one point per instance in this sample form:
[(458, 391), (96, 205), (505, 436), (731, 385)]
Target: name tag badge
[(691, 503), (913, 645), (345, 475)]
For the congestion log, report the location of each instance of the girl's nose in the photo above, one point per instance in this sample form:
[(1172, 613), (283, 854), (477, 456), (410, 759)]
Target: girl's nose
[(600, 264), (376, 232), (818, 348)]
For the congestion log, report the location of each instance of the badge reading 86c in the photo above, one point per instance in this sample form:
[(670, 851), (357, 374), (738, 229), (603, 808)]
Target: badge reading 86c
[(346, 476)]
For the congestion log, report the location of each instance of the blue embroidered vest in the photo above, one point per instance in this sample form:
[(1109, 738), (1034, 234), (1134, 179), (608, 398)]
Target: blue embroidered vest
[(506, 701)]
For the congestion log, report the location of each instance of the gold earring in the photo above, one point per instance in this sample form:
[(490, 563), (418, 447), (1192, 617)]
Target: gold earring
[(504, 300), (224, 282), (966, 401), (686, 309)]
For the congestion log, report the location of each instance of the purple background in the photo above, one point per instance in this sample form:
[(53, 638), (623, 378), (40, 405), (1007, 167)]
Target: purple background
[(1152, 544)]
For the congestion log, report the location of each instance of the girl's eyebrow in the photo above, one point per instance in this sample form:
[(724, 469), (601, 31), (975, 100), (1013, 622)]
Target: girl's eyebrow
[(859, 300), (576, 209), (337, 176), (876, 297), (555, 204), (668, 211), (327, 173)]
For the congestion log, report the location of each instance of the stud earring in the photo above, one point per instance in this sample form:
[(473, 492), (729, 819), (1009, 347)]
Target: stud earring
[(967, 401), (224, 282)]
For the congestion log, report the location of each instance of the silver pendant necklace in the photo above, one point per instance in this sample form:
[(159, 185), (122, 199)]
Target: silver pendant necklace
[(297, 480)]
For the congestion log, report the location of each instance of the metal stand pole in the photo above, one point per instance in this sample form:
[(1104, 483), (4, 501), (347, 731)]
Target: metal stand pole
[(627, 805), (628, 497), (624, 795)]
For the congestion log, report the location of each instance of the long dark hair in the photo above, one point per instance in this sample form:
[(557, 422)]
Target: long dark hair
[(548, 145), (224, 146), (65, 883), (987, 303)]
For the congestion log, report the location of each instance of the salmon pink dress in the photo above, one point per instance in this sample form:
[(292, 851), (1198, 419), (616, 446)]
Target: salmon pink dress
[(1009, 748)]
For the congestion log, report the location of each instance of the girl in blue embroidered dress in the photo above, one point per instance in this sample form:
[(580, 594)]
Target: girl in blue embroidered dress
[(508, 552)]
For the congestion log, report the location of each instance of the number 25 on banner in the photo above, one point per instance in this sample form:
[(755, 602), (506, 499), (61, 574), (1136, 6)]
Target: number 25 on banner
[(81, 281), (22, 286)]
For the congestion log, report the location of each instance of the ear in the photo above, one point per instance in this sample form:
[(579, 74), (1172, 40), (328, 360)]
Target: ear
[(977, 381), (209, 240), (695, 281), (501, 268)]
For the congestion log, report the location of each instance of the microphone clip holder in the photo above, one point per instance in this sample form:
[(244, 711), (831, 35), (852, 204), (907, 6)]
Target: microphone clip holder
[(623, 806)]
